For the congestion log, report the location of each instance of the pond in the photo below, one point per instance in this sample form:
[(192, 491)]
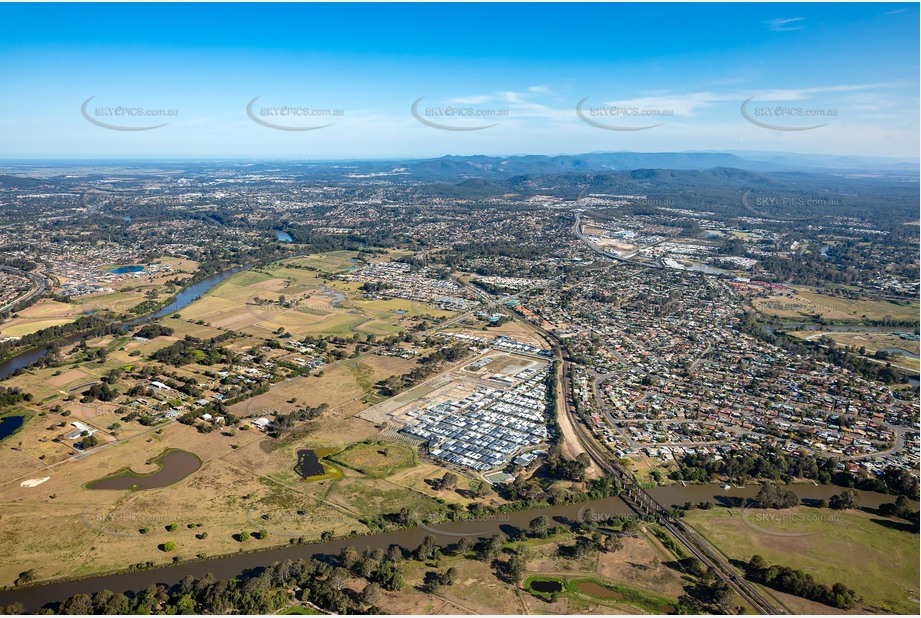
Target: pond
[(308, 464), (283, 236), (546, 586), (174, 465), (597, 590), (121, 270), (10, 425)]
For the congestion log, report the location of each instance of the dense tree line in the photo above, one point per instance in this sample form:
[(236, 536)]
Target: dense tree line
[(13, 395), (153, 330), (263, 592), (773, 464), (91, 325), (193, 350), (427, 366), (798, 583)]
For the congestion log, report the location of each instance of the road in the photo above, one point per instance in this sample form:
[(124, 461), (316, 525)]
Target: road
[(39, 285), (639, 499)]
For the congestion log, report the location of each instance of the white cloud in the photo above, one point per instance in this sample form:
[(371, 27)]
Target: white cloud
[(785, 24)]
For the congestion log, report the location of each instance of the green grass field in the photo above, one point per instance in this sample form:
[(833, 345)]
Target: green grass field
[(378, 459), (332, 262), (879, 562)]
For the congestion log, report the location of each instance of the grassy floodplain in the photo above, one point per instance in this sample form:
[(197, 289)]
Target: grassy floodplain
[(871, 554)]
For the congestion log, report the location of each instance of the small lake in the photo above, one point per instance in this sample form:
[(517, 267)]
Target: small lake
[(121, 270), (547, 586), (283, 236), (308, 464), (174, 465), (9, 425)]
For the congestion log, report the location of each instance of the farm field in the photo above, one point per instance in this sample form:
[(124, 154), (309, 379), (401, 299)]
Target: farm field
[(287, 296), (824, 543)]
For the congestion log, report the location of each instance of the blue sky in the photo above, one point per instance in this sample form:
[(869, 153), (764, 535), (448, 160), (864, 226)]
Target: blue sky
[(687, 69)]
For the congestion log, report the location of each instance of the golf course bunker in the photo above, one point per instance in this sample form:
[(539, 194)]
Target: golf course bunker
[(174, 465), (597, 590), (308, 464), (546, 586)]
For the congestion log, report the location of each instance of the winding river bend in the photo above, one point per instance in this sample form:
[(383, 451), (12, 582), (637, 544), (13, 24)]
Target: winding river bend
[(183, 299), (233, 565)]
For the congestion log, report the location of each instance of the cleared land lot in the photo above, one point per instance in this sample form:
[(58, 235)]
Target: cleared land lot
[(865, 552)]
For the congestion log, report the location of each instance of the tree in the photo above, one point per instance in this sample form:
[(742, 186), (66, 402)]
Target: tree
[(77, 604), (448, 482), (772, 496), (26, 577), (612, 543), (490, 547), (464, 545), (371, 593), (394, 554), (168, 546), (338, 577), (847, 499), (426, 549), (348, 556), (538, 527), (88, 442)]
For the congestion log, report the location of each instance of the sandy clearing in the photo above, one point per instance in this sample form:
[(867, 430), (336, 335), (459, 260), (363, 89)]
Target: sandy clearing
[(34, 482)]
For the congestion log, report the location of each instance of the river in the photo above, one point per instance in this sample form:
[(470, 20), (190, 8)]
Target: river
[(183, 299), (233, 565)]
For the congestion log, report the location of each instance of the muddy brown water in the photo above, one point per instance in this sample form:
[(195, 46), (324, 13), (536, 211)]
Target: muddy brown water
[(234, 565), (597, 590)]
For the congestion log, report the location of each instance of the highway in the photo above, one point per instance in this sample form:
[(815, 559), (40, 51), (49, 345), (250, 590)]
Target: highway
[(39, 285)]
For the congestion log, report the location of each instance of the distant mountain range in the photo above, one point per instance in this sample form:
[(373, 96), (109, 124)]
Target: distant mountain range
[(494, 168)]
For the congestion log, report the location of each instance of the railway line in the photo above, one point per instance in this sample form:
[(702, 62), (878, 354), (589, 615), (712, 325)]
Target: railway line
[(640, 501)]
